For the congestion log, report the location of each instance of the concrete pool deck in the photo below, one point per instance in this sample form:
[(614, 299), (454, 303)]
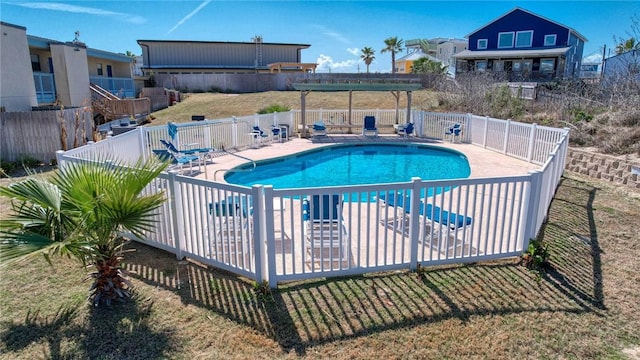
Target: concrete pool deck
[(483, 162)]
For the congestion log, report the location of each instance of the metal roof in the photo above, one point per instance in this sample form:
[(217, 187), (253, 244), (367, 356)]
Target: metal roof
[(302, 46), (509, 54), (357, 86)]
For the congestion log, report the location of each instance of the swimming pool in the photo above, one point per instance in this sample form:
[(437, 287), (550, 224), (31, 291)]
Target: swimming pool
[(354, 164)]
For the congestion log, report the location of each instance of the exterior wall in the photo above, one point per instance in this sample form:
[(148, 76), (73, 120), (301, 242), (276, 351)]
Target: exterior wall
[(625, 66), (212, 55), (519, 20), (71, 75), (573, 59), (119, 69), (446, 50), (605, 167), (17, 88)]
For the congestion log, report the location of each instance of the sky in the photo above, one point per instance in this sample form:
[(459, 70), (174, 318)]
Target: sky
[(335, 30)]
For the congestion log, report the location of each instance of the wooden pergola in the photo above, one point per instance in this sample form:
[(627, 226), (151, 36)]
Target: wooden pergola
[(394, 88)]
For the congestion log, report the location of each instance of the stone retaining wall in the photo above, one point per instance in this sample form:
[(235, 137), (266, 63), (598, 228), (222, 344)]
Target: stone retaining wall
[(606, 167)]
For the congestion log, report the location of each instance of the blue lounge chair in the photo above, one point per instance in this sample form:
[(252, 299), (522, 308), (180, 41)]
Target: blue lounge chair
[(369, 126), (319, 128), (231, 224), (201, 153), (405, 130), (453, 132), (326, 236), (179, 159), (439, 224)]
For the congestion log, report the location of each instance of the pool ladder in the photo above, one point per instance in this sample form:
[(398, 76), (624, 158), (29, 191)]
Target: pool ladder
[(215, 173)]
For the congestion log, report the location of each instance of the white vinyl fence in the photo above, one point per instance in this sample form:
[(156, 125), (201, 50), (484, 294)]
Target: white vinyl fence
[(269, 234)]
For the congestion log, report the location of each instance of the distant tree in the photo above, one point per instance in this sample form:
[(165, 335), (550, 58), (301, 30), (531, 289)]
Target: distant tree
[(130, 54), (627, 45), (393, 45), (425, 65), (367, 56)]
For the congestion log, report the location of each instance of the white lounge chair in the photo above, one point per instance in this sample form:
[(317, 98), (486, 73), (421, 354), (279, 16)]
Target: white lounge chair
[(326, 236)]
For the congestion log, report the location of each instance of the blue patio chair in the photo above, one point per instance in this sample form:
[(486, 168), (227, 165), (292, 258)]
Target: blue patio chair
[(279, 132), (326, 236), (259, 135), (319, 128), (405, 130), (369, 126), (453, 132)]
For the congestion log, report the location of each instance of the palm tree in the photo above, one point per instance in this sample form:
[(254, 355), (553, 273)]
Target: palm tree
[(627, 45), (425, 65), (367, 56), (393, 46), (81, 211)]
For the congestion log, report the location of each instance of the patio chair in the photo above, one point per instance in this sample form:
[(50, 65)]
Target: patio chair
[(326, 236), (319, 128), (440, 225), (405, 130), (259, 135), (280, 132), (369, 126), (453, 132)]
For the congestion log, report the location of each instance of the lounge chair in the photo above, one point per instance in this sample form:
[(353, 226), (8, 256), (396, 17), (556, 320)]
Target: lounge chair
[(179, 159), (230, 226), (439, 224), (319, 128), (326, 237), (405, 130), (369, 126), (201, 153), (453, 132)]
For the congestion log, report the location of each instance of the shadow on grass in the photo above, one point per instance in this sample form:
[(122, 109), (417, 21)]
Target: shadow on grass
[(305, 314), (120, 332)]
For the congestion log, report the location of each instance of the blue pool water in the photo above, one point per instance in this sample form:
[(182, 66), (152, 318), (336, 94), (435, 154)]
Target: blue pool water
[(354, 164)]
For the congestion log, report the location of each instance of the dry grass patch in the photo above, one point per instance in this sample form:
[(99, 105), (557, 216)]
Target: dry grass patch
[(220, 106), (586, 306)]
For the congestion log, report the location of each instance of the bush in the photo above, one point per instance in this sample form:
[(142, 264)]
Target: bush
[(274, 108)]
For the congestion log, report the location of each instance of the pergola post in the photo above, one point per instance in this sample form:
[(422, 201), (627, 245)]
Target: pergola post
[(303, 114), (350, 103), (408, 107)]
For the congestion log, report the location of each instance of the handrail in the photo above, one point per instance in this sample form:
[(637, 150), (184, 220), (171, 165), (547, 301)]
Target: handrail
[(215, 173)]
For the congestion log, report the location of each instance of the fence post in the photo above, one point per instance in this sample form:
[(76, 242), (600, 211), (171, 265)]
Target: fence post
[(484, 134), (175, 202), (269, 250), (234, 132), (142, 137), (414, 229), (59, 157), (259, 232), (506, 136), (532, 203), (468, 126), (532, 137)]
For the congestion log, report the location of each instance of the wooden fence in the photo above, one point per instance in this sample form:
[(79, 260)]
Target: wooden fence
[(38, 134)]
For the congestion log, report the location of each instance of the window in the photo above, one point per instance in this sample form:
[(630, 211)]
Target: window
[(516, 66), (550, 40), (35, 62), (482, 43), (455, 49), (505, 40), (524, 38), (547, 65), (498, 65), (99, 70), (481, 65)]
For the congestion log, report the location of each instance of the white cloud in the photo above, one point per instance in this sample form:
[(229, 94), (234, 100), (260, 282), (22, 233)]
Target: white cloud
[(184, 19), (332, 34), (354, 51), (327, 64), (133, 19)]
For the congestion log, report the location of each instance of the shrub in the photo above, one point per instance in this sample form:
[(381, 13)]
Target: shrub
[(274, 108), (536, 257)]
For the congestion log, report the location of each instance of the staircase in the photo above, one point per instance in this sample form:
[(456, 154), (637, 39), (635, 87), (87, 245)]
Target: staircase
[(111, 107)]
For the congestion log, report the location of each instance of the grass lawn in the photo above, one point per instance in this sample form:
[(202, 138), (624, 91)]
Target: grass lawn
[(586, 306)]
